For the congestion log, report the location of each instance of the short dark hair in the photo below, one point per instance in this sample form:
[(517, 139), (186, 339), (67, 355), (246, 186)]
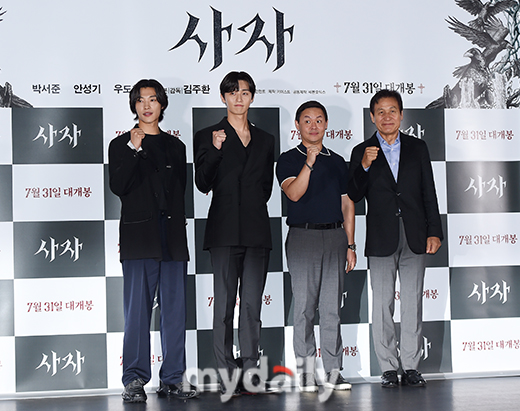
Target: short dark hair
[(230, 82), (161, 95), (385, 93), (311, 104)]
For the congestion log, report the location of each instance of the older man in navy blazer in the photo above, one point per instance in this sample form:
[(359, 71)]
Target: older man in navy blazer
[(393, 172)]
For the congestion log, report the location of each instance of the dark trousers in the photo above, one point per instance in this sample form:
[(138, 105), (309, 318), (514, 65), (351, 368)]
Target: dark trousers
[(141, 279), (231, 264)]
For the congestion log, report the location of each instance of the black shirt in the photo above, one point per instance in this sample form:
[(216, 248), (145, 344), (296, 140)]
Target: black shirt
[(321, 203)]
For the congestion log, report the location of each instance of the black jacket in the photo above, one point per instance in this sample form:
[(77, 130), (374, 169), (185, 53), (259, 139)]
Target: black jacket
[(413, 197), (241, 186), (137, 178)]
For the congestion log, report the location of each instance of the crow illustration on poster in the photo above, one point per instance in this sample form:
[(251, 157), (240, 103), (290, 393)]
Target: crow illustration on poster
[(486, 82), (7, 98)]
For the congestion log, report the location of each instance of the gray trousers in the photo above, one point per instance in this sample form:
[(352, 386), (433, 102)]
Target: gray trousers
[(411, 276), (316, 261)]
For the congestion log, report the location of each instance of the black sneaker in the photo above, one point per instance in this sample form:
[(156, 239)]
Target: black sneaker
[(334, 380), (134, 391), (413, 378), (308, 383), (389, 379), (182, 390)]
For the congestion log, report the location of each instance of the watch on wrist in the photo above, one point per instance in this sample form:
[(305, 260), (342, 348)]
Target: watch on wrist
[(352, 247)]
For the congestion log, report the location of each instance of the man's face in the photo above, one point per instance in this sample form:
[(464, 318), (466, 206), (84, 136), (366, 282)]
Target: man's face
[(238, 102), (387, 117), (312, 126), (147, 107)]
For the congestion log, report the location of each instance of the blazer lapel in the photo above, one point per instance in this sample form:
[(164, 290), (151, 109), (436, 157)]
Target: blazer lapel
[(255, 144), (403, 156), (234, 144)]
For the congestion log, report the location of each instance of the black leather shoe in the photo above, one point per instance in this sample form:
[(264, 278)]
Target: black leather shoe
[(413, 378), (236, 393), (182, 390), (389, 379), (134, 391), (257, 386)]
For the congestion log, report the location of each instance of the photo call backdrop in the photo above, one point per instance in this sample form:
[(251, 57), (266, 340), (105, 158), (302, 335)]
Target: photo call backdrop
[(66, 69)]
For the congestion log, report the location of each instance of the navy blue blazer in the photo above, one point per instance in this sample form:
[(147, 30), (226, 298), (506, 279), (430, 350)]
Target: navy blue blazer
[(413, 197)]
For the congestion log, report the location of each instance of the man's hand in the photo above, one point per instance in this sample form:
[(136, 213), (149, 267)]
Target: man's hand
[(351, 260), (312, 153), (218, 138), (369, 156), (432, 245), (136, 136)]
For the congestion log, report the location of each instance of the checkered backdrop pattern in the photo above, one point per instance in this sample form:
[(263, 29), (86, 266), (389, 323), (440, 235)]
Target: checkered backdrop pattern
[(61, 284)]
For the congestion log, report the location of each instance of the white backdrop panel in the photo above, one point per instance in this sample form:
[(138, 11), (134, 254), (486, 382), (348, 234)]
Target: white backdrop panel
[(485, 345), (6, 251), (6, 152), (482, 135), (487, 246), (60, 306), (7, 365), (272, 301), (29, 206)]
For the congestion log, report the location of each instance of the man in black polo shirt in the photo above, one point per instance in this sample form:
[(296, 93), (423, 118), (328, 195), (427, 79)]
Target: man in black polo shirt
[(319, 245)]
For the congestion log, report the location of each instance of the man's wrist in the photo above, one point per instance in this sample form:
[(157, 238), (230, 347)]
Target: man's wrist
[(352, 247)]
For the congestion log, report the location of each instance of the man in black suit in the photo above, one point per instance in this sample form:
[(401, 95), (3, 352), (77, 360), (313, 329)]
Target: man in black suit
[(148, 172), (234, 159), (393, 172)]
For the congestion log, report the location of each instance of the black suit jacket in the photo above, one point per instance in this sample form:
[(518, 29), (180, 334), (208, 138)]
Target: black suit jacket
[(413, 197), (241, 186), (134, 177)]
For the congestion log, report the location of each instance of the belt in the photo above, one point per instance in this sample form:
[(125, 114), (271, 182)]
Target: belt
[(318, 226)]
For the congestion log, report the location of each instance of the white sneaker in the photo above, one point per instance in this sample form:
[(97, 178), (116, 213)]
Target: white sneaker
[(334, 380), (308, 383)]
